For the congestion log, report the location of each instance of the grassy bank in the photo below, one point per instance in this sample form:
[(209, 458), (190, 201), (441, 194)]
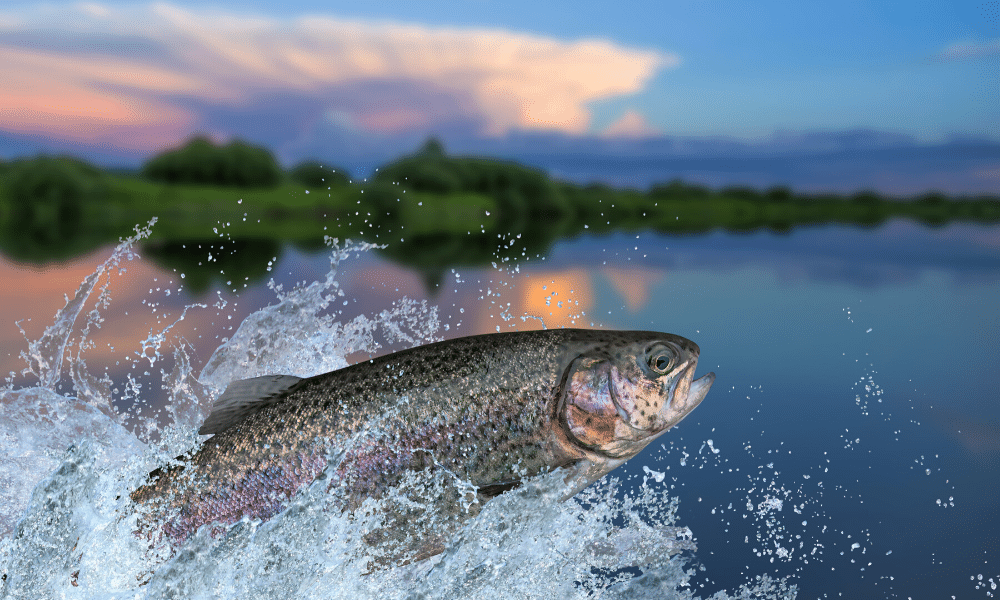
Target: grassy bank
[(436, 211)]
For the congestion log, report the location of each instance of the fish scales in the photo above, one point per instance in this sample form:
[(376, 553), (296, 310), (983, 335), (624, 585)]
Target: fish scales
[(491, 409)]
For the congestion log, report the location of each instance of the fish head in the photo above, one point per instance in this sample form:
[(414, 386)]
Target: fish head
[(620, 396)]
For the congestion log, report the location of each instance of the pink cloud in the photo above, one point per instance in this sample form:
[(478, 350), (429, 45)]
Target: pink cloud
[(151, 74), (50, 101), (631, 125)]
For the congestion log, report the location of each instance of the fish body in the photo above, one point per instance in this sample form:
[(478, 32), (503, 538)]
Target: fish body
[(492, 409)]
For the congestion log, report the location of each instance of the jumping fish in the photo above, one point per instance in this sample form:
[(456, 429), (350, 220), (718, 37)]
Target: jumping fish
[(492, 409)]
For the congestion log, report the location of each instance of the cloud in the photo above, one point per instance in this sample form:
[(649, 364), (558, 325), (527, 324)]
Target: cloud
[(967, 50), (631, 125), (142, 76), (68, 97)]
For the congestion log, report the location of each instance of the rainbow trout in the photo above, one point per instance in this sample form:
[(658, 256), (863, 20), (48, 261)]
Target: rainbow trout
[(490, 408)]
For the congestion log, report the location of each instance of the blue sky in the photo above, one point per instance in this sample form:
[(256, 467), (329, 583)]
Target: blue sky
[(132, 78)]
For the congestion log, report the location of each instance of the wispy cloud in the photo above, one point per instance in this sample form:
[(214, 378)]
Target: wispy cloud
[(141, 77), (968, 50)]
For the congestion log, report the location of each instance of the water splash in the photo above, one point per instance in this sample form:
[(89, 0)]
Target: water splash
[(300, 336), (44, 356), (75, 530), (38, 423)]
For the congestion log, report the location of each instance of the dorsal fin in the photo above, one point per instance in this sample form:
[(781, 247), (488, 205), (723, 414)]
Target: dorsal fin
[(245, 397)]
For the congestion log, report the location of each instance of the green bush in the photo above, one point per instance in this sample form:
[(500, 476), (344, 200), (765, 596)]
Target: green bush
[(677, 190), (741, 193), (422, 175), (50, 190), (933, 209), (932, 199), (200, 161), (983, 209), (312, 174), (867, 197), (519, 191), (383, 198), (47, 197), (780, 194), (426, 171)]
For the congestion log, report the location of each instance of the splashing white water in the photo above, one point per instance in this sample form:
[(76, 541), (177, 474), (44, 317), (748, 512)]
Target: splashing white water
[(67, 524)]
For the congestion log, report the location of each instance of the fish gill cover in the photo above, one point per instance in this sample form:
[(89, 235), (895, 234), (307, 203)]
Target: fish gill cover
[(70, 453)]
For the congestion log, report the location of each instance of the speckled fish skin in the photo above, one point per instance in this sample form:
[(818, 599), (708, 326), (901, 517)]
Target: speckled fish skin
[(490, 408)]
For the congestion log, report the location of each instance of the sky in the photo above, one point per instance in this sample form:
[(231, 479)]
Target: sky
[(121, 81)]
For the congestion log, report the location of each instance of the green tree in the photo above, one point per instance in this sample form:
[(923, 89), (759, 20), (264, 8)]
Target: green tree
[(739, 192), (520, 192), (51, 190), (432, 147), (313, 174), (46, 198), (779, 194), (200, 161), (867, 197), (384, 198)]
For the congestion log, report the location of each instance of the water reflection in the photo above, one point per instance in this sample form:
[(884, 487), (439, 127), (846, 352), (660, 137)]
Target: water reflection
[(864, 360), (898, 252), (633, 285), (560, 289)]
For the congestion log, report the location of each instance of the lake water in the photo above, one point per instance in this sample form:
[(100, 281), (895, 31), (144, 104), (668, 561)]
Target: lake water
[(851, 442)]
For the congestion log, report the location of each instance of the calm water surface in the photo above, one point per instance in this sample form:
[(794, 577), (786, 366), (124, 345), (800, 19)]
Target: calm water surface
[(852, 438)]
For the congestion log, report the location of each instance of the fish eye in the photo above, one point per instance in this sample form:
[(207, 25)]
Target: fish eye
[(660, 360)]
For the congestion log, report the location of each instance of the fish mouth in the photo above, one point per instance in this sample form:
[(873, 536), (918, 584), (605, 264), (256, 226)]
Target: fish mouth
[(698, 390), (678, 408)]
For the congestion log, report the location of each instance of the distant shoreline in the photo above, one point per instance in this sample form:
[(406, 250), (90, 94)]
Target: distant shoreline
[(446, 210)]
